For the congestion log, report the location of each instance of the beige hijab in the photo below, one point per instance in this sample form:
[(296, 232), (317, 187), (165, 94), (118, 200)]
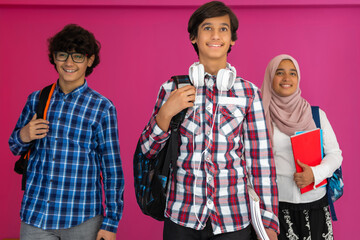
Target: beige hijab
[(290, 114)]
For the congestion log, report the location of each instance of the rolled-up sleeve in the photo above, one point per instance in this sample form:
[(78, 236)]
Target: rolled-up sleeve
[(153, 138)]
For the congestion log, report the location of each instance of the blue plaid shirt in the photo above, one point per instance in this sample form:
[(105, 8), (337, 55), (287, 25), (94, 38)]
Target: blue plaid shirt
[(63, 185)]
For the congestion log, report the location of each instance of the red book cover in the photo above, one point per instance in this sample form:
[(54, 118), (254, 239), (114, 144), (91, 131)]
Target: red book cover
[(307, 148)]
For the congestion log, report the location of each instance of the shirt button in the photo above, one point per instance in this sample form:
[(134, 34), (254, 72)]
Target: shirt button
[(209, 179), (208, 108), (59, 119), (209, 202), (208, 158), (208, 133), (48, 201)]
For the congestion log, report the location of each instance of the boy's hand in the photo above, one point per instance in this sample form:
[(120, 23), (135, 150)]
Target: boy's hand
[(271, 234), (304, 178), (105, 235), (35, 129), (178, 100)]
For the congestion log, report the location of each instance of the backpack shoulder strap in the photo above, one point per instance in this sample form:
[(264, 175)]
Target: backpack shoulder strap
[(173, 145), (44, 100), (181, 80), (41, 111), (316, 115)]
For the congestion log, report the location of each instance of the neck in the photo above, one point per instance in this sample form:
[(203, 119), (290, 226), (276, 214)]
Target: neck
[(213, 66), (68, 87)]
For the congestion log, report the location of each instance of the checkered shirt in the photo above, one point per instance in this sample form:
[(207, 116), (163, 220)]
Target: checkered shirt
[(222, 137)]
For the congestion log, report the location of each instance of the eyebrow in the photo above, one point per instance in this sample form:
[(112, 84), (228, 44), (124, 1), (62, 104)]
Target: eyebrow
[(281, 69), (207, 24)]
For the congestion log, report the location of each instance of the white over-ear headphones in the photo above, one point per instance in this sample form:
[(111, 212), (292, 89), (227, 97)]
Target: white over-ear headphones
[(225, 78)]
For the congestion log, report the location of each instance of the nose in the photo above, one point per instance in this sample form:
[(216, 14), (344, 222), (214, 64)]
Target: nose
[(69, 60), (286, 77), (215, 34)]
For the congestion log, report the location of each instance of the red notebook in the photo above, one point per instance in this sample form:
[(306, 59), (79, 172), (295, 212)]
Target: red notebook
[(307, 147)]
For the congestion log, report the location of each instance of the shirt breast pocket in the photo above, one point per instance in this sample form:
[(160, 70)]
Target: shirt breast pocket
[(230, 119), (191, 124), (81, 134)]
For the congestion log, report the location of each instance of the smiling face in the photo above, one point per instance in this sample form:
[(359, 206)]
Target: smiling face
[(72, 73), (285, 81), (214, 39)]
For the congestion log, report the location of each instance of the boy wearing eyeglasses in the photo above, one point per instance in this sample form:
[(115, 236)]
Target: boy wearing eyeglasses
[(73, 147)]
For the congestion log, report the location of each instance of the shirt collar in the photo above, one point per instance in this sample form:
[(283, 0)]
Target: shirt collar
[(75, 92)]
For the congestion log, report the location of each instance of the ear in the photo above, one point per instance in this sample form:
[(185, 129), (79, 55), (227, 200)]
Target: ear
[(232, 43), (193, 41), (91, 60)]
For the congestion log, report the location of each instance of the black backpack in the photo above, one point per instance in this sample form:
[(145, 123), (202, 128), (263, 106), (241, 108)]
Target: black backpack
[(151, 176), (44, 101)]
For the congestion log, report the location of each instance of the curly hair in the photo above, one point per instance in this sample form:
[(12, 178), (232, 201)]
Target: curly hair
[(211, 10), (75, 38)]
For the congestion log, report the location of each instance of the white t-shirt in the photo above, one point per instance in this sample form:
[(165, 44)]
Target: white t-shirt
[(285, 164)]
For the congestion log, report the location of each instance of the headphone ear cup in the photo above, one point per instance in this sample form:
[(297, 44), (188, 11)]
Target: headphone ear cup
[(222, 80), (196, 74), (225, 79), (193, 75), (231, 79)]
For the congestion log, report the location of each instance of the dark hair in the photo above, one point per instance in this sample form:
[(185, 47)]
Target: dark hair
[(210, 10), (75, 38)]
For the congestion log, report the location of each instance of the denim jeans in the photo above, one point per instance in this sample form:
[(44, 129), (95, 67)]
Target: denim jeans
[(86, 230)]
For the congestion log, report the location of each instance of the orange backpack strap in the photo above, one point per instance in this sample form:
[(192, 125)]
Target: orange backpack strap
[(44, 101)]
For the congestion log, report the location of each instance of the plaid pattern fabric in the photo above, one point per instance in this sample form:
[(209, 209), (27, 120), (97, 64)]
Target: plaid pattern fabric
[(221, 137), (63, 186)]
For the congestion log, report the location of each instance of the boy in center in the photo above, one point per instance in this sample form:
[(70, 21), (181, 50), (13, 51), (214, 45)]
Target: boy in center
[(222, 138)]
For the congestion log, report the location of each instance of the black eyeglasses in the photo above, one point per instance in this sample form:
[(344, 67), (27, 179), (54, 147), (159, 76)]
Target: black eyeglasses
[(76, 57)]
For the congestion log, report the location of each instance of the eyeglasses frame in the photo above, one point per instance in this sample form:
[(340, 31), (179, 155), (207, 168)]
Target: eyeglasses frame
[(69, 54)]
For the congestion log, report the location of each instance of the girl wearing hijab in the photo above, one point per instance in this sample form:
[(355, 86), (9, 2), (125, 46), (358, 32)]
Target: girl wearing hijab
[(301, 216)]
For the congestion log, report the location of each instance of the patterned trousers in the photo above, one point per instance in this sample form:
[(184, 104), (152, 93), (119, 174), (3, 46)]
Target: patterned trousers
[(305, 221)]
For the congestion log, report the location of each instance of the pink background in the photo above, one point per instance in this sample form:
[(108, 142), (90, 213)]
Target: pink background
[(145, 42)]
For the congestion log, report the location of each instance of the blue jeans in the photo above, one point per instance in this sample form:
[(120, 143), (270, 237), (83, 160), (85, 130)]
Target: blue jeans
[(87, 230)]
